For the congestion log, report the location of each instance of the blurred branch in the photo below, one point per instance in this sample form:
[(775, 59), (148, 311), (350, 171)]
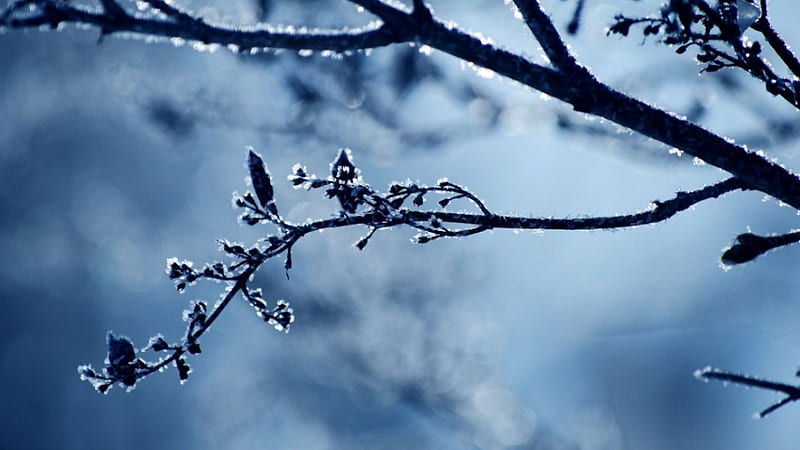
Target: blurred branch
[(575, 22)]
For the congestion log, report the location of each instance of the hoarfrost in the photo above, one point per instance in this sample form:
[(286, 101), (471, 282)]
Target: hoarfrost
[(485, 73), (700, 373)]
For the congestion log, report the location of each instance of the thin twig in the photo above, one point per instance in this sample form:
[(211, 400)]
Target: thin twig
[(545, 32), (764, 26), (792, 392), (54, 13)]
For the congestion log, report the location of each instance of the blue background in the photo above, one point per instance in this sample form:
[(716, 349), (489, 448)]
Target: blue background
[(114, 157)]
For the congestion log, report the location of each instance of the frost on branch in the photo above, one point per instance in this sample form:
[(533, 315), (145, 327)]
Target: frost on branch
[(749, 246), (421, 208), (280, 317), (791, 393), (717, 31)]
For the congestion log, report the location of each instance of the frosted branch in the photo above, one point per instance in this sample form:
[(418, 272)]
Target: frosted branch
[(749, 246), (179, 24), (792, 392), (584, 93), (764, 26), (542, 28), (717, 32), (403, 204)]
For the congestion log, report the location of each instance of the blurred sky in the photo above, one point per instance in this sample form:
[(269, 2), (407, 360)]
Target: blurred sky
[(114, 157)]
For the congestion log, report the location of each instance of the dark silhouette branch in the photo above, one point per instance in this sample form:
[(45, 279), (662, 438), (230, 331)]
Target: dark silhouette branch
[(181, 25), (764, 26), (584, 93), (542, 28), (575, 23), (749, 246), (792, 392), (693, 23), (361, 205), (113, 9)]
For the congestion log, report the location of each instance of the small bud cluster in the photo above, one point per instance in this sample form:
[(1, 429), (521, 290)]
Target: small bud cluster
[(280, 317), (359, 204), (718, 34)]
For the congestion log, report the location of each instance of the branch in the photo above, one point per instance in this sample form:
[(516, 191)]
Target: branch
[(361, 205), (387, 13), (764, 26), (792, 392), (53, 13), (112, 9), (678, 22), (406, 26), (750, 246), (585, 93), (588, 95), (172, 11), (542, 27), (389, 209), (575, 22)]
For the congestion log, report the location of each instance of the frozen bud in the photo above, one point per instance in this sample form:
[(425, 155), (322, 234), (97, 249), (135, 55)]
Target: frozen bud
[(342, 168), (747, 248), (157, 344), (193, 348), (120, 350), (183, 369), (262, 182)]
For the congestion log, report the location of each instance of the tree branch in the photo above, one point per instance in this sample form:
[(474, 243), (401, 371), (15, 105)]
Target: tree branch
[(764, 26), (388, 211), (171, 11), (792, 392), (113, 9), (542, 28), (678, 22), (750, 246), (575, 22), (53, 13), (407, 26), (588, 95), (360, 205), (585, 93)]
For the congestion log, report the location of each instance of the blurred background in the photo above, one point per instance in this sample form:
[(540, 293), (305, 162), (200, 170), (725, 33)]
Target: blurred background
[(117, 155)]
